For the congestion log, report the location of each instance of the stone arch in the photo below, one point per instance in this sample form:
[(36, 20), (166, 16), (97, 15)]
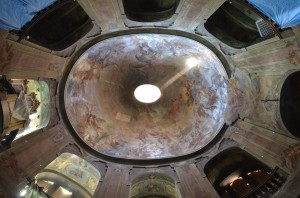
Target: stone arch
[(150, 10), (290, 103), (156, 185), (237, 24), (235, 173)]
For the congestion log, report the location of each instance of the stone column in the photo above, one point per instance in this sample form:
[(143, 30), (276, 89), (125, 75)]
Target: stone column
[(30, 156), (115, 182), (194, 184), (105, 13), (194, 13)]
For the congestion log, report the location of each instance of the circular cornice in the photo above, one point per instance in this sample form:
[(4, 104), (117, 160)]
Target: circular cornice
[(128, 32)]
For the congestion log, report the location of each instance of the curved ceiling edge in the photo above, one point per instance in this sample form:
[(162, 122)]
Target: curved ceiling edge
[(152, 161)]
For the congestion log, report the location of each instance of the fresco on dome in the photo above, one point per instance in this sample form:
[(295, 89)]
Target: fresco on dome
[(101, 107)]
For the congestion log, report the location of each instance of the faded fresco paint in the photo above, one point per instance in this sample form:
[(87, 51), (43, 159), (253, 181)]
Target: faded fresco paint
[(103, 111)]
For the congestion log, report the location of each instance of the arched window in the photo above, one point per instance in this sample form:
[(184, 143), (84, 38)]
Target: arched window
[(235, 173), (154, 185), (149, 10), (57, 26), (290, 103), (67, 176), (238, 25)]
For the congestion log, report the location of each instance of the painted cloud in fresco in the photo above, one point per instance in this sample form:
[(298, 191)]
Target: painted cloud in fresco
[(101, 108)]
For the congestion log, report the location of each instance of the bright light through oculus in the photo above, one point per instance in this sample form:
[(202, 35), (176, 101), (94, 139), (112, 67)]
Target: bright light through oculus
[(23, 192), (192, 62), (147, 93)]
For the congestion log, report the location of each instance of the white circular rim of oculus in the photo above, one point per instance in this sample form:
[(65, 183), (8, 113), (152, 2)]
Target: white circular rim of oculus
[(147, 93)]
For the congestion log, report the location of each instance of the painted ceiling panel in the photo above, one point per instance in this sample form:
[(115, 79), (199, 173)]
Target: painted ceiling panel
[(101, 107), (76, 169)]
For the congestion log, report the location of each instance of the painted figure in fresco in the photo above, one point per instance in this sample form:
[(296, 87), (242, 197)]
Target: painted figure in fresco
[(208, 98), (79, 78), (218, 80), (93, 120), (145, 131), (201, 112), (175, 108), (76, 172), (85, 72), (91, 127), (145, 54), (105, 57), (189, 85), (235, 94), (96, 61)]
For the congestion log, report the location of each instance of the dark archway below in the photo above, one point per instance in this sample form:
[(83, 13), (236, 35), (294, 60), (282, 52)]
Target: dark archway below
[(290, 103)]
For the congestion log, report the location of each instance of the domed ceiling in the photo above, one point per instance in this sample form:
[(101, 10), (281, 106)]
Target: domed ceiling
[(101, 107)]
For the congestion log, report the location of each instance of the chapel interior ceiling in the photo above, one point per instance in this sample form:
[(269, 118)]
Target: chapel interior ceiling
[(101, 107)]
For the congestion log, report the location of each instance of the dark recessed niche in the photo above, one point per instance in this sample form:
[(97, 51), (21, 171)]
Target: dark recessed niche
[(290, 103), (149, 10), (234, 24), (235, 173), (59, 26)]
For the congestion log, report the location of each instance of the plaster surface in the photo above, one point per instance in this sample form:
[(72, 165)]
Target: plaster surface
[(101, 107)]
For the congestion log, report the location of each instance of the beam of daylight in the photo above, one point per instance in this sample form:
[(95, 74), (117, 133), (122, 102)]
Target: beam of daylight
[(191, 63)]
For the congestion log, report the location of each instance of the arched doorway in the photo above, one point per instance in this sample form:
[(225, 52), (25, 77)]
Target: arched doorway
[(290, 103), (235, 173)]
